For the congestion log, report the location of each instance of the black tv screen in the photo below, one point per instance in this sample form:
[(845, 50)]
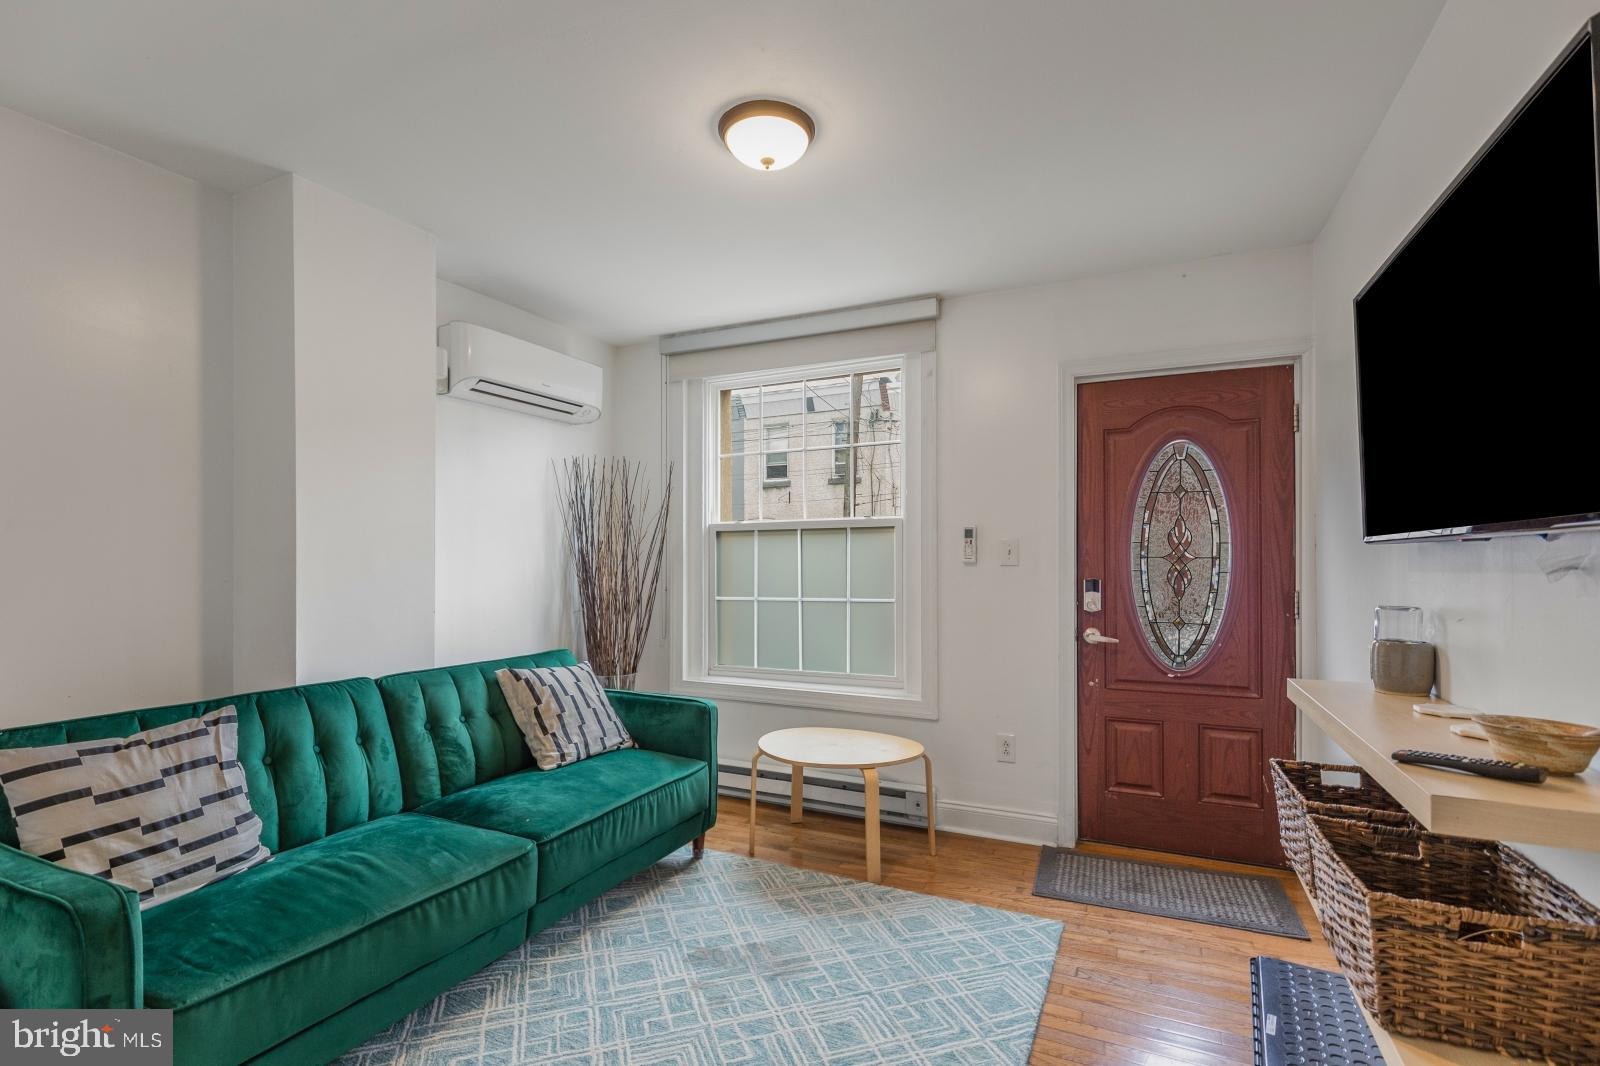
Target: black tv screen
[(1478, 342)]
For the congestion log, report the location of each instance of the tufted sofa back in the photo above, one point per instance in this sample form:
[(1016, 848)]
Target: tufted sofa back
[(452, 728), (317, 758), (321, 758)]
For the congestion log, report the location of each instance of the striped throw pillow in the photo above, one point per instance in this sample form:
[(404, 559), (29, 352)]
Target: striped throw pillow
[(162, 812), (563, 712)]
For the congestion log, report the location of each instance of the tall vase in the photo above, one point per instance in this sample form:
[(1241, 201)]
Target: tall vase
[(625, 682)]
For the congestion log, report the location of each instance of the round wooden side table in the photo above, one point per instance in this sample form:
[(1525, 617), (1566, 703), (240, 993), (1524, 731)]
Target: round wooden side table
[(840, 749)]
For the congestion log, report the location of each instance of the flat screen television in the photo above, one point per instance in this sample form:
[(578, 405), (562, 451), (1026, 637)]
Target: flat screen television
[(1478, 340)]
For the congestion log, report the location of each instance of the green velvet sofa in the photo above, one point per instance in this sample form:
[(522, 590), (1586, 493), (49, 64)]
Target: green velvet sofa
[(413, 843)]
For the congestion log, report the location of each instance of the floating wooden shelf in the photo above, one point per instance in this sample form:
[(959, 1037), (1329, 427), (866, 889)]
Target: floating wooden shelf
[(1563, 812)]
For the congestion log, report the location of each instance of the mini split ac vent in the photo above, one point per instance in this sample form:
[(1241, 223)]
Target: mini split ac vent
[(541, 402), (488, 367)]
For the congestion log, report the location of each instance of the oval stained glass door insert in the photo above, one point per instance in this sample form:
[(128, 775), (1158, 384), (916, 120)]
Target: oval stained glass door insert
[(1181, 554)]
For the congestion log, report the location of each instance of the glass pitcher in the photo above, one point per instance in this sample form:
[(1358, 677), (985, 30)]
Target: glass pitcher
[(1402, 661)]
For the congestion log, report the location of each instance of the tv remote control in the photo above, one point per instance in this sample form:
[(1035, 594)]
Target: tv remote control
[(1496, 768)]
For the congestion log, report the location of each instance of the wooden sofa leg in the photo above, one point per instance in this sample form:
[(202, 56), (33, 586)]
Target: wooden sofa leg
[(699, 845)]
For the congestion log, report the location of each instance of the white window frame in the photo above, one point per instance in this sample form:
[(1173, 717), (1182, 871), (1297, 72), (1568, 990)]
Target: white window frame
[(693, 422)]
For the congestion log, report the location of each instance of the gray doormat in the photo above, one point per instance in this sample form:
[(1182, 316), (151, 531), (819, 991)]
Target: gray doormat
[(1238, 901)]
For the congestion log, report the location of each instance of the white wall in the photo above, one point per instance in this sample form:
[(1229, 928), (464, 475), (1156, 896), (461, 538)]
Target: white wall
[(637, 433), (1000, 357), (500, 588), (116, 532), (264, 545), (364, 438), (334, 447), (1510, 639), (220, 427)]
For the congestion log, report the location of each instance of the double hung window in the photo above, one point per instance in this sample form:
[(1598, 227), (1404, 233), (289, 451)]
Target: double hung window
[(808, 524)]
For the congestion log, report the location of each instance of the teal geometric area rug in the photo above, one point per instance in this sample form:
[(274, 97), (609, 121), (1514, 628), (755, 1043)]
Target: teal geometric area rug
[(731, 960)]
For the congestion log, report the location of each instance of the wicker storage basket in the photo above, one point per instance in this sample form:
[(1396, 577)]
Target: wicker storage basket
[(1300, 792), (1464, 941)]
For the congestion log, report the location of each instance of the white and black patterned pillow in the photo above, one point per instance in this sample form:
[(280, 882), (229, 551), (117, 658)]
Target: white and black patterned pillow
[(162, 812), (563, 712)]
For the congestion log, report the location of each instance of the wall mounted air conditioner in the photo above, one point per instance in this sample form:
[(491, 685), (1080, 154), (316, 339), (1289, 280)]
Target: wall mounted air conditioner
[(481, 365)]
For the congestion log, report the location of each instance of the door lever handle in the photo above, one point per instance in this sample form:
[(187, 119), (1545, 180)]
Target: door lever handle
[(1094, 636)]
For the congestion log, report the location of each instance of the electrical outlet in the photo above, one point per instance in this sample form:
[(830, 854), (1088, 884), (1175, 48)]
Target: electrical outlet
[(1005, 747)]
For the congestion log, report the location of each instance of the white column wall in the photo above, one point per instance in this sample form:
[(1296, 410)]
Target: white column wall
[(116, 528)]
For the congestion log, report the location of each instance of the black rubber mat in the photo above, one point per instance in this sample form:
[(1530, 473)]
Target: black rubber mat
[(1307, 1017)]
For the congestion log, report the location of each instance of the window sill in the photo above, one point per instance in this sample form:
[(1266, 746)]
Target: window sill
[(888, 702), (775, 483)]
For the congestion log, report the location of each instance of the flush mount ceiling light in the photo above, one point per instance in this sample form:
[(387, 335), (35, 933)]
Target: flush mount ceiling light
[(766, 134)]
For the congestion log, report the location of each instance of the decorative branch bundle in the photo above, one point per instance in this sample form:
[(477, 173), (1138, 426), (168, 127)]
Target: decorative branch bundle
[(618, 542)]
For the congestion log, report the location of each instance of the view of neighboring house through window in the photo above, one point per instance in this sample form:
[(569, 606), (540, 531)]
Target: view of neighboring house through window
[(806, 534), (777, 452)]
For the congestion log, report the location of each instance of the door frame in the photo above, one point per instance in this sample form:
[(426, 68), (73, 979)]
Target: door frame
[(1295, 353)]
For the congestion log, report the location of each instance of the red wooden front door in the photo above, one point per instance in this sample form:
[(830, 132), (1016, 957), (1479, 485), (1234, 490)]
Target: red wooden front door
[(1186, 519)]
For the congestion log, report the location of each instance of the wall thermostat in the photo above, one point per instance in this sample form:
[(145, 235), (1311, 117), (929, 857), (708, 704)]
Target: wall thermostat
[(969, 544)]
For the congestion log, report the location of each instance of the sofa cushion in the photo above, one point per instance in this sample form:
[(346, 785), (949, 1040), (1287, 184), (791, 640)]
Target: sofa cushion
[(563, 712), (452, 727), (278, 948), (163, 812), (318, 758), (584, 815)]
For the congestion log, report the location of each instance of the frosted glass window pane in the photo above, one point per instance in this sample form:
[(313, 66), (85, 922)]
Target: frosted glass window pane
[(779, 636), (736, 564), (872, 563), (824, 636), (736, 633), (871, 638), (822, 555), (739, 488), (778, 566)]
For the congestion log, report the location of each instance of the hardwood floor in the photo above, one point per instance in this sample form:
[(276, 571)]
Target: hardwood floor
[(1127, 988)]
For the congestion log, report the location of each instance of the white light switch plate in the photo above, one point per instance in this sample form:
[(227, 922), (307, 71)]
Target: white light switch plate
[(1010, 552)]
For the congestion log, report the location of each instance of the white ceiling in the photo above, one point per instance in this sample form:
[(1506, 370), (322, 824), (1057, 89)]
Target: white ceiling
[(565, 152)]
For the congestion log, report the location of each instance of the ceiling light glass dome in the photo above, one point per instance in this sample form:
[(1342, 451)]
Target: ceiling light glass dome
[(766, 134)]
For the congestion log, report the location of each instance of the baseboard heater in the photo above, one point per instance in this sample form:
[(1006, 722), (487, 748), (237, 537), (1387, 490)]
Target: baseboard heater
[(828, 792)]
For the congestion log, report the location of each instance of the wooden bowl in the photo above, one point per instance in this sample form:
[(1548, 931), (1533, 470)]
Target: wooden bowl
[(1559, 747)]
